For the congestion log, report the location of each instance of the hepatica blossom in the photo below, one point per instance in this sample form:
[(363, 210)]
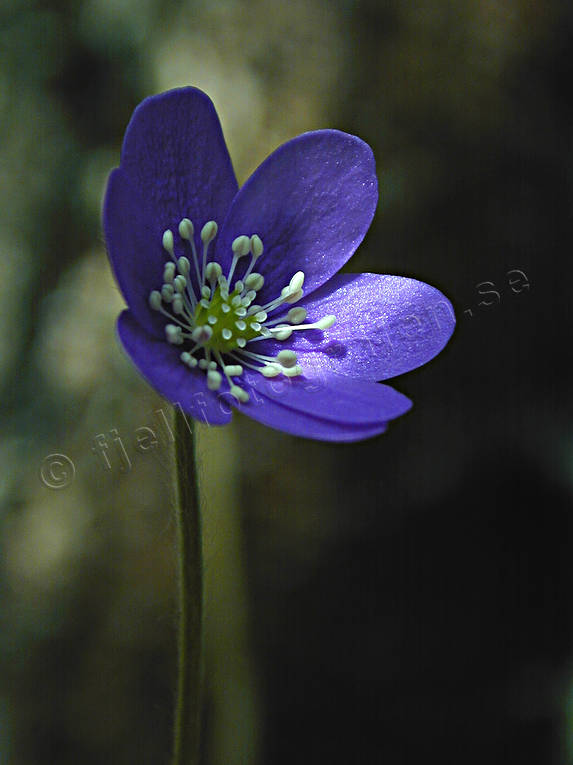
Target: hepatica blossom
[(234, 297)]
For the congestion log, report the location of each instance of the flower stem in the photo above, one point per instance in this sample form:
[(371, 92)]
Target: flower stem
[(189, 680)]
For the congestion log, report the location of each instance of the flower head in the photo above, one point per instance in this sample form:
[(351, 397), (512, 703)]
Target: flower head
[(233, 295)]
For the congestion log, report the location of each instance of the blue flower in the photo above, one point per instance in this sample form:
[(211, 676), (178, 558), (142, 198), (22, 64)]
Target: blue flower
[(234, 297)]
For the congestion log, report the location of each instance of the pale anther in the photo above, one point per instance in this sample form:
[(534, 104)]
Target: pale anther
[(256, 245), (270, 371), (226, 334), (186, 229), (155, 300), (287, 358), (202, 334), (241, 246), (254, 282), (282, 333), (296, 315), (167, 292), (169, 272), (209, 231), (180, 283), (240, 394), (212, 272), (292, 371), (325, 322), (213, 379), (234, 370), (168, 241), (294, 297), (183, 265), (297, 281)]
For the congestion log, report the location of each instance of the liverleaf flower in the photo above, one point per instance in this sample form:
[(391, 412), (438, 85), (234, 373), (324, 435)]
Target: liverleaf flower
[(233, 294)]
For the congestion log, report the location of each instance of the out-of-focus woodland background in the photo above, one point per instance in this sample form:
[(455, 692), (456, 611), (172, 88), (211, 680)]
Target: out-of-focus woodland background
[(403, 600)]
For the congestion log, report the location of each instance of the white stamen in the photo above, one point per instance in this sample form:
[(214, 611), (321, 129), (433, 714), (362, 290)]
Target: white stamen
[(183, 265), (174, 334), (241, 395), (169, 272), (270, 371), (234, 370), (186, 229), (240, 247), (241, 325), (226, 334), (168, 242), (292, 371), (180, 283), (294, 297), (214, 379), (256, 246), (212, 272), (297, 281), (281, 333), (287, 358), (167, 292), (155, 300), (326, 322), (202, 334), (254, 282), (209, 231), (296, 315)]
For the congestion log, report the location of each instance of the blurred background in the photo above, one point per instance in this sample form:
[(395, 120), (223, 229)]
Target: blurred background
[(402, 600)]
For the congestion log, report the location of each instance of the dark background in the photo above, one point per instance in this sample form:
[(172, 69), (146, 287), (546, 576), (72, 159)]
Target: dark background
[(402, 600)]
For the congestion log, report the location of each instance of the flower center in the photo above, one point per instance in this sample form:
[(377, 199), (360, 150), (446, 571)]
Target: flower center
[(216, 323)]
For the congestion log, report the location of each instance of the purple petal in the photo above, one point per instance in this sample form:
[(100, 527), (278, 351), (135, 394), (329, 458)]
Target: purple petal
[(349, 402), (270, 413), (161, 366), (311, 202), (175, 154), (133, 240), (385, 326)]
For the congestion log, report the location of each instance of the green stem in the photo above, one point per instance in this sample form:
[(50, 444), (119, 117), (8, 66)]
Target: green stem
[(189, 680)]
